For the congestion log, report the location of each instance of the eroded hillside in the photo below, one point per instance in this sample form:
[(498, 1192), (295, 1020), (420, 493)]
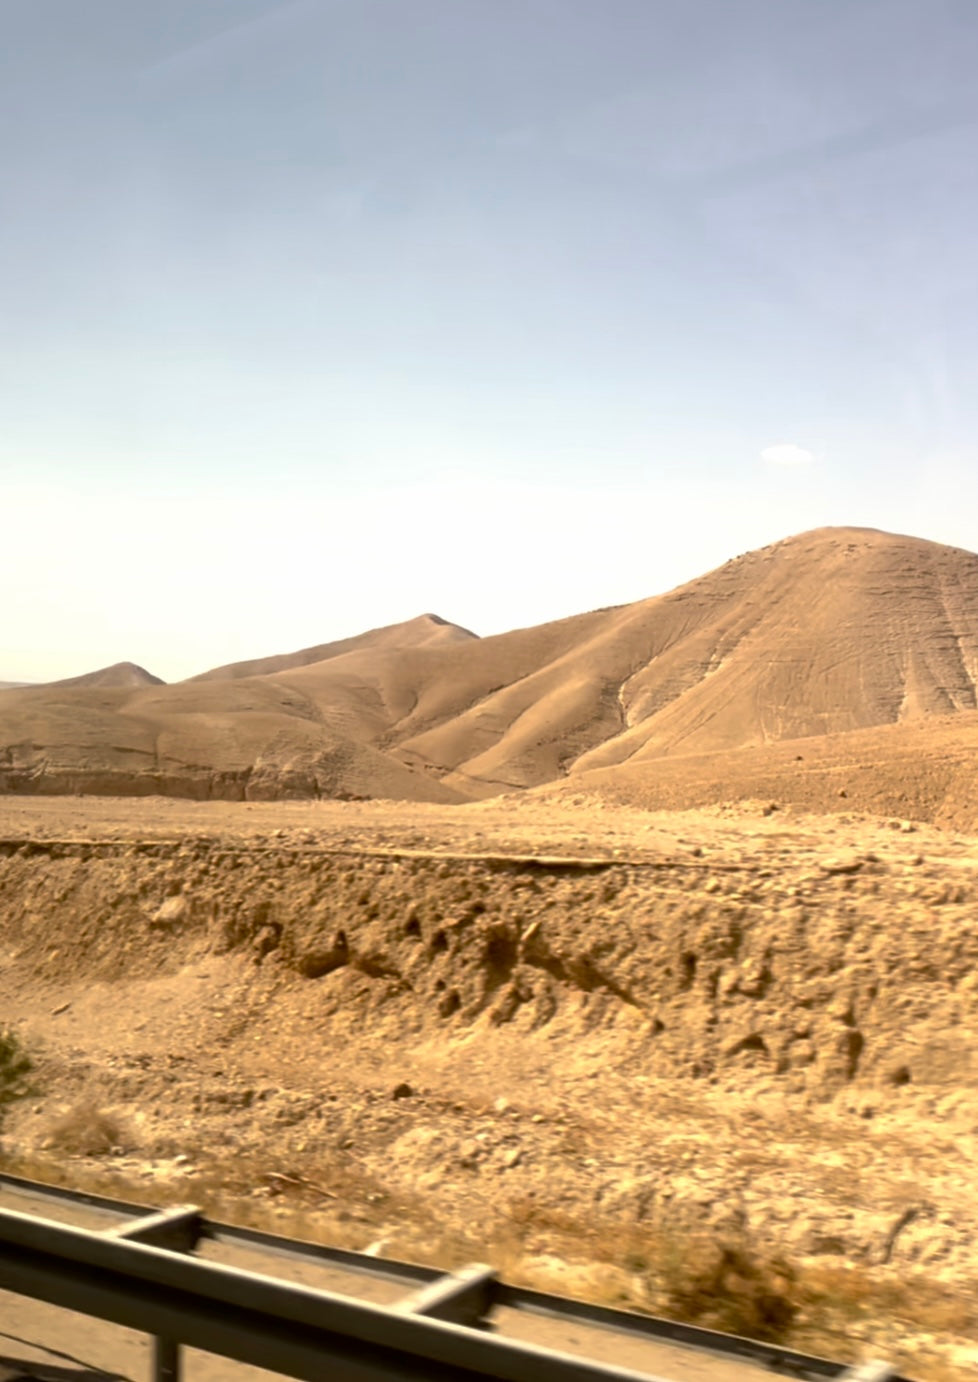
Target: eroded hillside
[(829, 633)]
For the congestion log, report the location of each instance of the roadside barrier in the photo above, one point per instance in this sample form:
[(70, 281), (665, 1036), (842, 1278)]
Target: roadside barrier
[(140, 1273)]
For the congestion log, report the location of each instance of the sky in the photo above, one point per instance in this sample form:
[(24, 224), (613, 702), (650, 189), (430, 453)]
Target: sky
[(321, 314)]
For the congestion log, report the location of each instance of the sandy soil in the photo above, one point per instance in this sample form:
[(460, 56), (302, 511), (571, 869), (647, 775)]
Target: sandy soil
[(588, 1042)]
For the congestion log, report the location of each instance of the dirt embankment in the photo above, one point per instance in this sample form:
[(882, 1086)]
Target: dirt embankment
[(848, 969), (660, 1026)]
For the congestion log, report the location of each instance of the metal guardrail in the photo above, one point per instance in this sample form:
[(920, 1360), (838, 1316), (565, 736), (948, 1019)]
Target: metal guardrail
[(139, 1274)]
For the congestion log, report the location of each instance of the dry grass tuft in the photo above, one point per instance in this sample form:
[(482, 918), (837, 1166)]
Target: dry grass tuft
[(728, 1286), (87, 1130), (851, 1294)]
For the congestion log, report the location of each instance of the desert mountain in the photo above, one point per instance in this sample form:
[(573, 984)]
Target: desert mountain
[(819, 635), (831, 631), (119, 674), (425, 631), (228, 734)]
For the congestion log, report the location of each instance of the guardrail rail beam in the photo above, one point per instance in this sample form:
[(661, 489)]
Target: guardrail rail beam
[(143, 1274)]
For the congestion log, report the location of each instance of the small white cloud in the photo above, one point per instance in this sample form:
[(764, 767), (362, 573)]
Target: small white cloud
[(787, 453)]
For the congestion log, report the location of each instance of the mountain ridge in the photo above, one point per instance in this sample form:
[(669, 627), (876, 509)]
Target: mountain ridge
[(423, 628), (117, 674), (816, 635)]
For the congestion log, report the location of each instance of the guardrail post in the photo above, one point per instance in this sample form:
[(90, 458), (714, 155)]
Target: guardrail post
[(166, 1360), (179, 1229), (462, 1297)]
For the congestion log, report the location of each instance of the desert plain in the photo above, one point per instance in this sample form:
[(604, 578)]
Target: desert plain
[(635, 955)]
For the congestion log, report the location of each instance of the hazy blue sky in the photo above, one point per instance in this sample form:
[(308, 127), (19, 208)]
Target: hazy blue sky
[(320, 314)]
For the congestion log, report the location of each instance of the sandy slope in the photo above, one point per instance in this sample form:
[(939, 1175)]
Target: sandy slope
[(925, 769), (226, 738), (425, 630), (120, 674), (823, 633), (834, 631)]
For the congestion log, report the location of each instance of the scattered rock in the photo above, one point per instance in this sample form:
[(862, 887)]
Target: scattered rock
[(470, 1153), (402, 1091), (847, 863), (173, 911)]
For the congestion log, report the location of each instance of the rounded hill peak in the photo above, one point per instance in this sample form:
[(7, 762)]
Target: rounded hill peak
[(118, 674)]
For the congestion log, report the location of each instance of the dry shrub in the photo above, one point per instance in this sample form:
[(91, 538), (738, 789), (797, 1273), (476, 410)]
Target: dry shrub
[(728, 1286), (15, 1065), (86, 1130)]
